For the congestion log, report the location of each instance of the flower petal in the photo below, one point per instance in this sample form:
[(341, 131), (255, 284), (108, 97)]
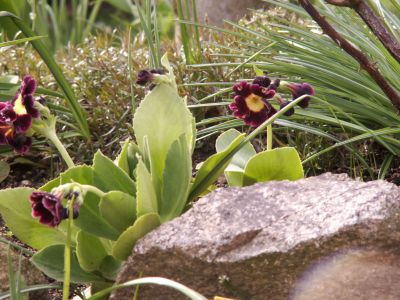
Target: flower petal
[(20, 142), (28, 86), (22, 123), (242, 88), (47, 207), (263, 81), (290, 111), (300, 89), (7, 113)]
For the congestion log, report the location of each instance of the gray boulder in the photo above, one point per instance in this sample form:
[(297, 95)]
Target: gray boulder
[(274, 240), (214, 12)]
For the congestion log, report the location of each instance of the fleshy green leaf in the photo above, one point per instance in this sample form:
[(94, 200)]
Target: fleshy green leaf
[(146, 197), (212, 168), (81, 174), (89, 251), (109, 177), (277, 164), (127, 158), (123, 247), (234, 171), (50, 261), (109, 267), (16, 211), (4, 170), (91, 220), (47, 187), (118, 209), (162, 117), (176, 181)]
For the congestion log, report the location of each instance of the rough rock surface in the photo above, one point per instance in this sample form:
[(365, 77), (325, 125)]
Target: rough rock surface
[(256, 242), (29, 273), (217, 11), (214, 12)]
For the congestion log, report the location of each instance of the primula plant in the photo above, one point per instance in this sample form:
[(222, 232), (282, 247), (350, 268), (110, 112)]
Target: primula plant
[(85, 222), (252, 104), (16, 117)]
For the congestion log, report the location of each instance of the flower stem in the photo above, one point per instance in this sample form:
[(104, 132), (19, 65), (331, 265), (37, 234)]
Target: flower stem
[(52, 136), (67, 251), (93, 189), (269, 137)]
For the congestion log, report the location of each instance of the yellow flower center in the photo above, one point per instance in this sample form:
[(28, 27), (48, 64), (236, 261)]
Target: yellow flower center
[(254, 103), (19, 107)]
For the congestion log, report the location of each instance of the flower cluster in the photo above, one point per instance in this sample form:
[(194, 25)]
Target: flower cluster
[(16, 117), (252, 100)]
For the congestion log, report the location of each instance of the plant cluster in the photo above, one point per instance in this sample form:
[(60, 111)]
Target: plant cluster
[(151, 181), (85, 222)]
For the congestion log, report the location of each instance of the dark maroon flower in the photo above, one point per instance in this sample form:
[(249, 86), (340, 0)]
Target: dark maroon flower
[(23, 102), (48, 208), (300, 89), (16, 139), (290, 111), (7, 113), (20, 142), (144, 77), (28, 86), (22, 123), (274, 84), (262, 81), (16, 117), (250, 103)]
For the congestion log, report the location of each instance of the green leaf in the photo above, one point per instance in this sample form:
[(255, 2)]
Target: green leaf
[(92, 221), (146, 197), (4, 170), (109, 177), (212, 168), (118, 209), (47, 187), (176, 180), (80, 174), (162, 117), (89, 251), (123, 247), (277, 164), (16, 211), (234, 171), (96, 287), (258, 71), (110, 267), (20, 41), (44, 53), (50, 261), (127, 158)]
